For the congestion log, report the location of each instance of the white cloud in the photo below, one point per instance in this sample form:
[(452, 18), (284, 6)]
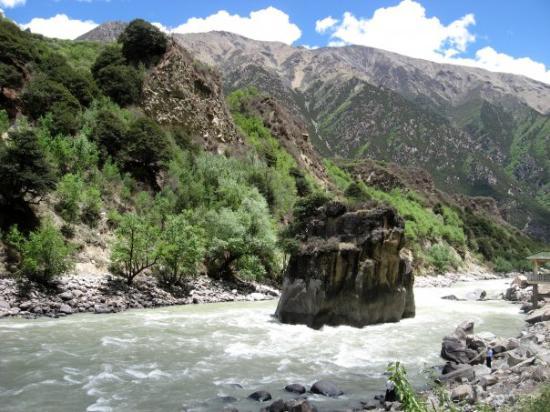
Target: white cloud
[(12, 3), (60, 26), (406, 29), (269, 24), (161, 27), (323, 25)]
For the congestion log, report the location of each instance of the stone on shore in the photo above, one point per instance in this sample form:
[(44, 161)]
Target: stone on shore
[(463, 393), (295, 388)]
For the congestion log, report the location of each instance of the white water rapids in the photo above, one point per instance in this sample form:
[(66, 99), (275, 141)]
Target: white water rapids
[(188, 357)]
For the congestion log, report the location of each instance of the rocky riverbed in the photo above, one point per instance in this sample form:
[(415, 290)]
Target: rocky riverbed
[(105, 294)]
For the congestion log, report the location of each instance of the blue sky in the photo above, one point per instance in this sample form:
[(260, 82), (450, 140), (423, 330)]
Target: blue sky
[(508, 36)]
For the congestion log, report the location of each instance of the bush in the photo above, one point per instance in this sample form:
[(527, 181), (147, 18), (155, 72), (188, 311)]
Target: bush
[(136, 246), (537, 402), (501, 265), (69, 191), (120, 83), (110, 56), (109, 132), (10, 77), (442, 258), (356, 192), (4, 122), (142, 43), (145, 148), (44, 255), (91, 206), (183, 248), (42, 93), (25, 172)]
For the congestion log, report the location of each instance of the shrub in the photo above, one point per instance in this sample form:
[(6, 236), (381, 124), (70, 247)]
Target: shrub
[(404, 390), (142, 43), (65, 118), (501, 265), (24, 170), (183, 248), (41, 93), (10, 76), (91, 206), (110, 56), (4, 121), (69, 191), (121, 83), (356, 192), (442, 258), (109, 132), (146, 146), (44, 255), (136, 246)]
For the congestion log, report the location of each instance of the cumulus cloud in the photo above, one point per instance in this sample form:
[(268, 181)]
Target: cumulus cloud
[(59, 26), (323, 25), (406, 29), (269, 24), (12, 3)]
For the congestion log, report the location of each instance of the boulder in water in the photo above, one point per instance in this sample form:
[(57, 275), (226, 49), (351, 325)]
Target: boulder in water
[(295, 388), (348, 270), (301, 405), (260, 396), (326, 388)]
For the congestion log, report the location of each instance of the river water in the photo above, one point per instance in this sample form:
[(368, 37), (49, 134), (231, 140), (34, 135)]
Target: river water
[(188, 357)]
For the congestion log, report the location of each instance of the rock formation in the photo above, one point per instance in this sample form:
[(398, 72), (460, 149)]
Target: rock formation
[(348, 270), (183, 92)]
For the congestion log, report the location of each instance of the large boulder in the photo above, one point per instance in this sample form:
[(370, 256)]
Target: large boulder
[(326, 388), (348, 270)]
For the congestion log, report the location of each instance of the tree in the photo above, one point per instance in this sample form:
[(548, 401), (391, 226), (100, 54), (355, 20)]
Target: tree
[(136, 247), (44, 255), (145, 148), (41, 93), (142, 43), (183, 248), (69, 192), (109, 132), (121, 83), (25, 174), (110, 56), (10, 76), (237, 234)]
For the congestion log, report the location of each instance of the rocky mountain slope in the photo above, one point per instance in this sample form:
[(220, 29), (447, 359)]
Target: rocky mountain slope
[(478, 133)]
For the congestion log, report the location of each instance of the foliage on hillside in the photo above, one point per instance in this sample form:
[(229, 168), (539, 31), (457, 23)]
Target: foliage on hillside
[(81, 151), (447, 228)]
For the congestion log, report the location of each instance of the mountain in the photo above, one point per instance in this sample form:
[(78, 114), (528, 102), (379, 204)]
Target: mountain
[(106, 32), (477, 132)]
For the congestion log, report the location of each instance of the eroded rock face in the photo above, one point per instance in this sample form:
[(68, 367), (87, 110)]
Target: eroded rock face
[(182, 92), (348, 270)]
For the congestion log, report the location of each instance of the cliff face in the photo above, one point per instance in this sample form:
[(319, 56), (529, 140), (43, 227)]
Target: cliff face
[(349, 270), (182, 92)]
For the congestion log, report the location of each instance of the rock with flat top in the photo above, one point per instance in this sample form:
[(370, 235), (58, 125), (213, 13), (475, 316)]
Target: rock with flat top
[(463, 393), (326, 388)]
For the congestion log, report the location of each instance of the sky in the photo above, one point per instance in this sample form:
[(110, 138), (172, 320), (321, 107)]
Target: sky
[(499, 35)]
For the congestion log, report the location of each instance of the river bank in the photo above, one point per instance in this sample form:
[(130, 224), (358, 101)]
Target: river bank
[(104, 294)]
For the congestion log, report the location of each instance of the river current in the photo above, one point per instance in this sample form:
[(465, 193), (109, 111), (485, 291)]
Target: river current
[(190, 357)]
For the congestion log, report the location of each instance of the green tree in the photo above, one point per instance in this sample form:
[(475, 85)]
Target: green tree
[(25, 173), (136, 246), (41, 93), (183, 248), (4, 121), (235, 234), (110, 56), (109, 132), (145, 148), (121, 83), (90, 211), (44, 255), (69, 192), (10, 76), (143, 43)]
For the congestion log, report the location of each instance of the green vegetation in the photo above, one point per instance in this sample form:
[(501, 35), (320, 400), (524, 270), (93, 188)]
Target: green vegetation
[(537, 402), (404, 390), (44, 255), (143, 43), (446, 225)]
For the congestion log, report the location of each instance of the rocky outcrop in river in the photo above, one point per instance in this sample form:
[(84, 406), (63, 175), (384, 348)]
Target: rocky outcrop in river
[(348, 270)]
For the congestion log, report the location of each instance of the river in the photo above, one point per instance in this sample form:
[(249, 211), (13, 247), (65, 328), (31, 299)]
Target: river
[(188, 357)]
